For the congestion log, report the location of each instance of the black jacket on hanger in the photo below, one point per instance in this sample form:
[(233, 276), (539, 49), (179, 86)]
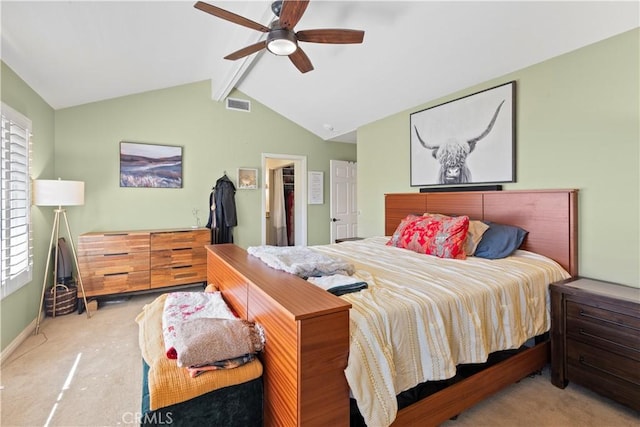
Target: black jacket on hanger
[(222, 217)]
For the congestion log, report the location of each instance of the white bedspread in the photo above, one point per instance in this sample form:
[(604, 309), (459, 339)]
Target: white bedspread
[(423, 315)]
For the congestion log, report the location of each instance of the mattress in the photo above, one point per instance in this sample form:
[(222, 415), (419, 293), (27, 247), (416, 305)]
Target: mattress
[(421, 316)]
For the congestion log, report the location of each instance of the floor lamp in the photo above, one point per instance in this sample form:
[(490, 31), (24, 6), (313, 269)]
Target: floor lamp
[(58, 193)]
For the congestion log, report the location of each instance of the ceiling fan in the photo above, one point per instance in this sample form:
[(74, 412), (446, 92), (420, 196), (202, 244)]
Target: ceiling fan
[(281, 39)]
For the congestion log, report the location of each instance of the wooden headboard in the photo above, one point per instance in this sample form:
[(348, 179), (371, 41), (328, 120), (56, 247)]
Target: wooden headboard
[(550, 216)]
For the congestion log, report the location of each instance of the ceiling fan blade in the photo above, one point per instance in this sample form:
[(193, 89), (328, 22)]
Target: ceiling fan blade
[(301, 60), (334, 36), (231, 17), (245, 51), (292, 11)]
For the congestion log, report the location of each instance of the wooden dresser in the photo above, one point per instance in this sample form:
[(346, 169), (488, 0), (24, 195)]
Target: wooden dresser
[(128, 261), (595, 338)]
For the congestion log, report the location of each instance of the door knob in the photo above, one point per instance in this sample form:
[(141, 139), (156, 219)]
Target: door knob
[(335, 219)]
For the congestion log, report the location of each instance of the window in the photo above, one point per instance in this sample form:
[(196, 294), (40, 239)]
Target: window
[(16, 248)]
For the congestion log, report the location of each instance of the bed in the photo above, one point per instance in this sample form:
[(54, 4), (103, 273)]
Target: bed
[(307, 328)]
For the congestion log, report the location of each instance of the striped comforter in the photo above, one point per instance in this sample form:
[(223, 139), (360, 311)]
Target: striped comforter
[(422, 315)]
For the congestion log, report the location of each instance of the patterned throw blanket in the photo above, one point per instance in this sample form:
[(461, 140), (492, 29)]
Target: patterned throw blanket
[(184, 306), (300, 260)]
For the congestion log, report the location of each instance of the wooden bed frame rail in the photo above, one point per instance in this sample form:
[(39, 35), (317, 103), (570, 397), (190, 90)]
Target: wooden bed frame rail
[(307, 328)]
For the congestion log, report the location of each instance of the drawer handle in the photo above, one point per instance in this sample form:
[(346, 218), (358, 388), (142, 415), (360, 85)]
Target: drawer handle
[(587, 334), (182, 266), (597, 368), (117, 254), (182, 249), (115, 274), (116, 234)]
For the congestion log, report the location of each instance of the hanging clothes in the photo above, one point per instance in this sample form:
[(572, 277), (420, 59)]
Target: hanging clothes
[(278, 213), (222, 217)]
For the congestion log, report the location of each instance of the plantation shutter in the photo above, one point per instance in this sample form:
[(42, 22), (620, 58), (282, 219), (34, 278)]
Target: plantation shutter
[(16, 250)]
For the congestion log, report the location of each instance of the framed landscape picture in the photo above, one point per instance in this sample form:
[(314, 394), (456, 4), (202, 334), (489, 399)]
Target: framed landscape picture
[(150, 165), (470, 140)]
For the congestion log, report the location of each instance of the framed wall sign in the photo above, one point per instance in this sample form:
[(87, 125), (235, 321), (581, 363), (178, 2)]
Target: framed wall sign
[(315, 187), (470, 140), (150, 165)]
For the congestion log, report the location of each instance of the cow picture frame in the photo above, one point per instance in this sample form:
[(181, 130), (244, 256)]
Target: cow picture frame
[(466, 141)]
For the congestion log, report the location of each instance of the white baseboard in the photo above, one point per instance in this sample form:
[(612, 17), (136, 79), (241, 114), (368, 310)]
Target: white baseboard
[(13, 345)]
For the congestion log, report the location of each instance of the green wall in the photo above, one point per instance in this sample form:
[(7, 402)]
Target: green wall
[(214, 140), (578, 126), (19, 309)]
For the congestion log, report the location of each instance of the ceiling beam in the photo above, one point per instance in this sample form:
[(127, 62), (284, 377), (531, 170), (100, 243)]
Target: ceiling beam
[(221, 88)]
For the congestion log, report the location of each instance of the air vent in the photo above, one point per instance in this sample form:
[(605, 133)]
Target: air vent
[(238, 104)]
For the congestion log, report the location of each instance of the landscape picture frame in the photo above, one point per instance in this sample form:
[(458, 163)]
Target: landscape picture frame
[(150, 165)]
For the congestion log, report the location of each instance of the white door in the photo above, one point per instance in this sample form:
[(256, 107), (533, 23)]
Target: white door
[(343, 206)]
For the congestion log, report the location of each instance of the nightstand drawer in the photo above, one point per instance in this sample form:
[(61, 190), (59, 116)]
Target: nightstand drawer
[(625, 342), (602, 362), (614, 317)]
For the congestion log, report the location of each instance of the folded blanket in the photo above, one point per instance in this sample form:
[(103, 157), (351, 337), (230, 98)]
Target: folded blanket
[(194, 371), (170, 384), (339, 284), (300, 260), (204, 341), (182, 306)]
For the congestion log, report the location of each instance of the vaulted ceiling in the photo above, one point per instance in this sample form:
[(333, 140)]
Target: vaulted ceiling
[(76, 52)]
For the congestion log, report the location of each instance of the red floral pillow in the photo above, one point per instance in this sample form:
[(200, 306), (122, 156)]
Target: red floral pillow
[(395, 238), (442, 237)]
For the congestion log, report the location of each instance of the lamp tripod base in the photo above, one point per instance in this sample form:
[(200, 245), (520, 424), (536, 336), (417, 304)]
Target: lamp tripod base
[(55, 233)]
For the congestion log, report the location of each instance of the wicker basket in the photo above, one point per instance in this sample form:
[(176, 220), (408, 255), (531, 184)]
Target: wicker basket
[(66, 300)]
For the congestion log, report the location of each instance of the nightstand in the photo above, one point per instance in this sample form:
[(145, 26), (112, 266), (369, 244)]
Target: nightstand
[(595, 338), (348, 239)]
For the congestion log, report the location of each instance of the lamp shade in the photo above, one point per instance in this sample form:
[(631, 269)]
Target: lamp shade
[(52, 192)]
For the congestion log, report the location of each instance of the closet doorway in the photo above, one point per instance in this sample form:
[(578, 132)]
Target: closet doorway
[(284, 196)]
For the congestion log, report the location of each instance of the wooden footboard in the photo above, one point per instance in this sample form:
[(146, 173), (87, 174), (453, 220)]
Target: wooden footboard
[(307, 332)]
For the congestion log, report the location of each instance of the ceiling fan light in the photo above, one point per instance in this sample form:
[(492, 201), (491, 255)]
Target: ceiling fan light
[(281, 42)]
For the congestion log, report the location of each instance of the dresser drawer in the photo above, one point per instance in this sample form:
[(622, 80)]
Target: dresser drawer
[(116, 283), (112, 243), (100, 265), (180, 239), (162, 277), (178, 257)]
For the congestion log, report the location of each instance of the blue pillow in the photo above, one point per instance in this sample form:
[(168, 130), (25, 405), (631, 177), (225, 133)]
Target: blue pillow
[(499, 241)]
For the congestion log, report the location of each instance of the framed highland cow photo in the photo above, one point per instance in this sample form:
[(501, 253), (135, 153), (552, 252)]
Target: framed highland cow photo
[(470, 140)]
